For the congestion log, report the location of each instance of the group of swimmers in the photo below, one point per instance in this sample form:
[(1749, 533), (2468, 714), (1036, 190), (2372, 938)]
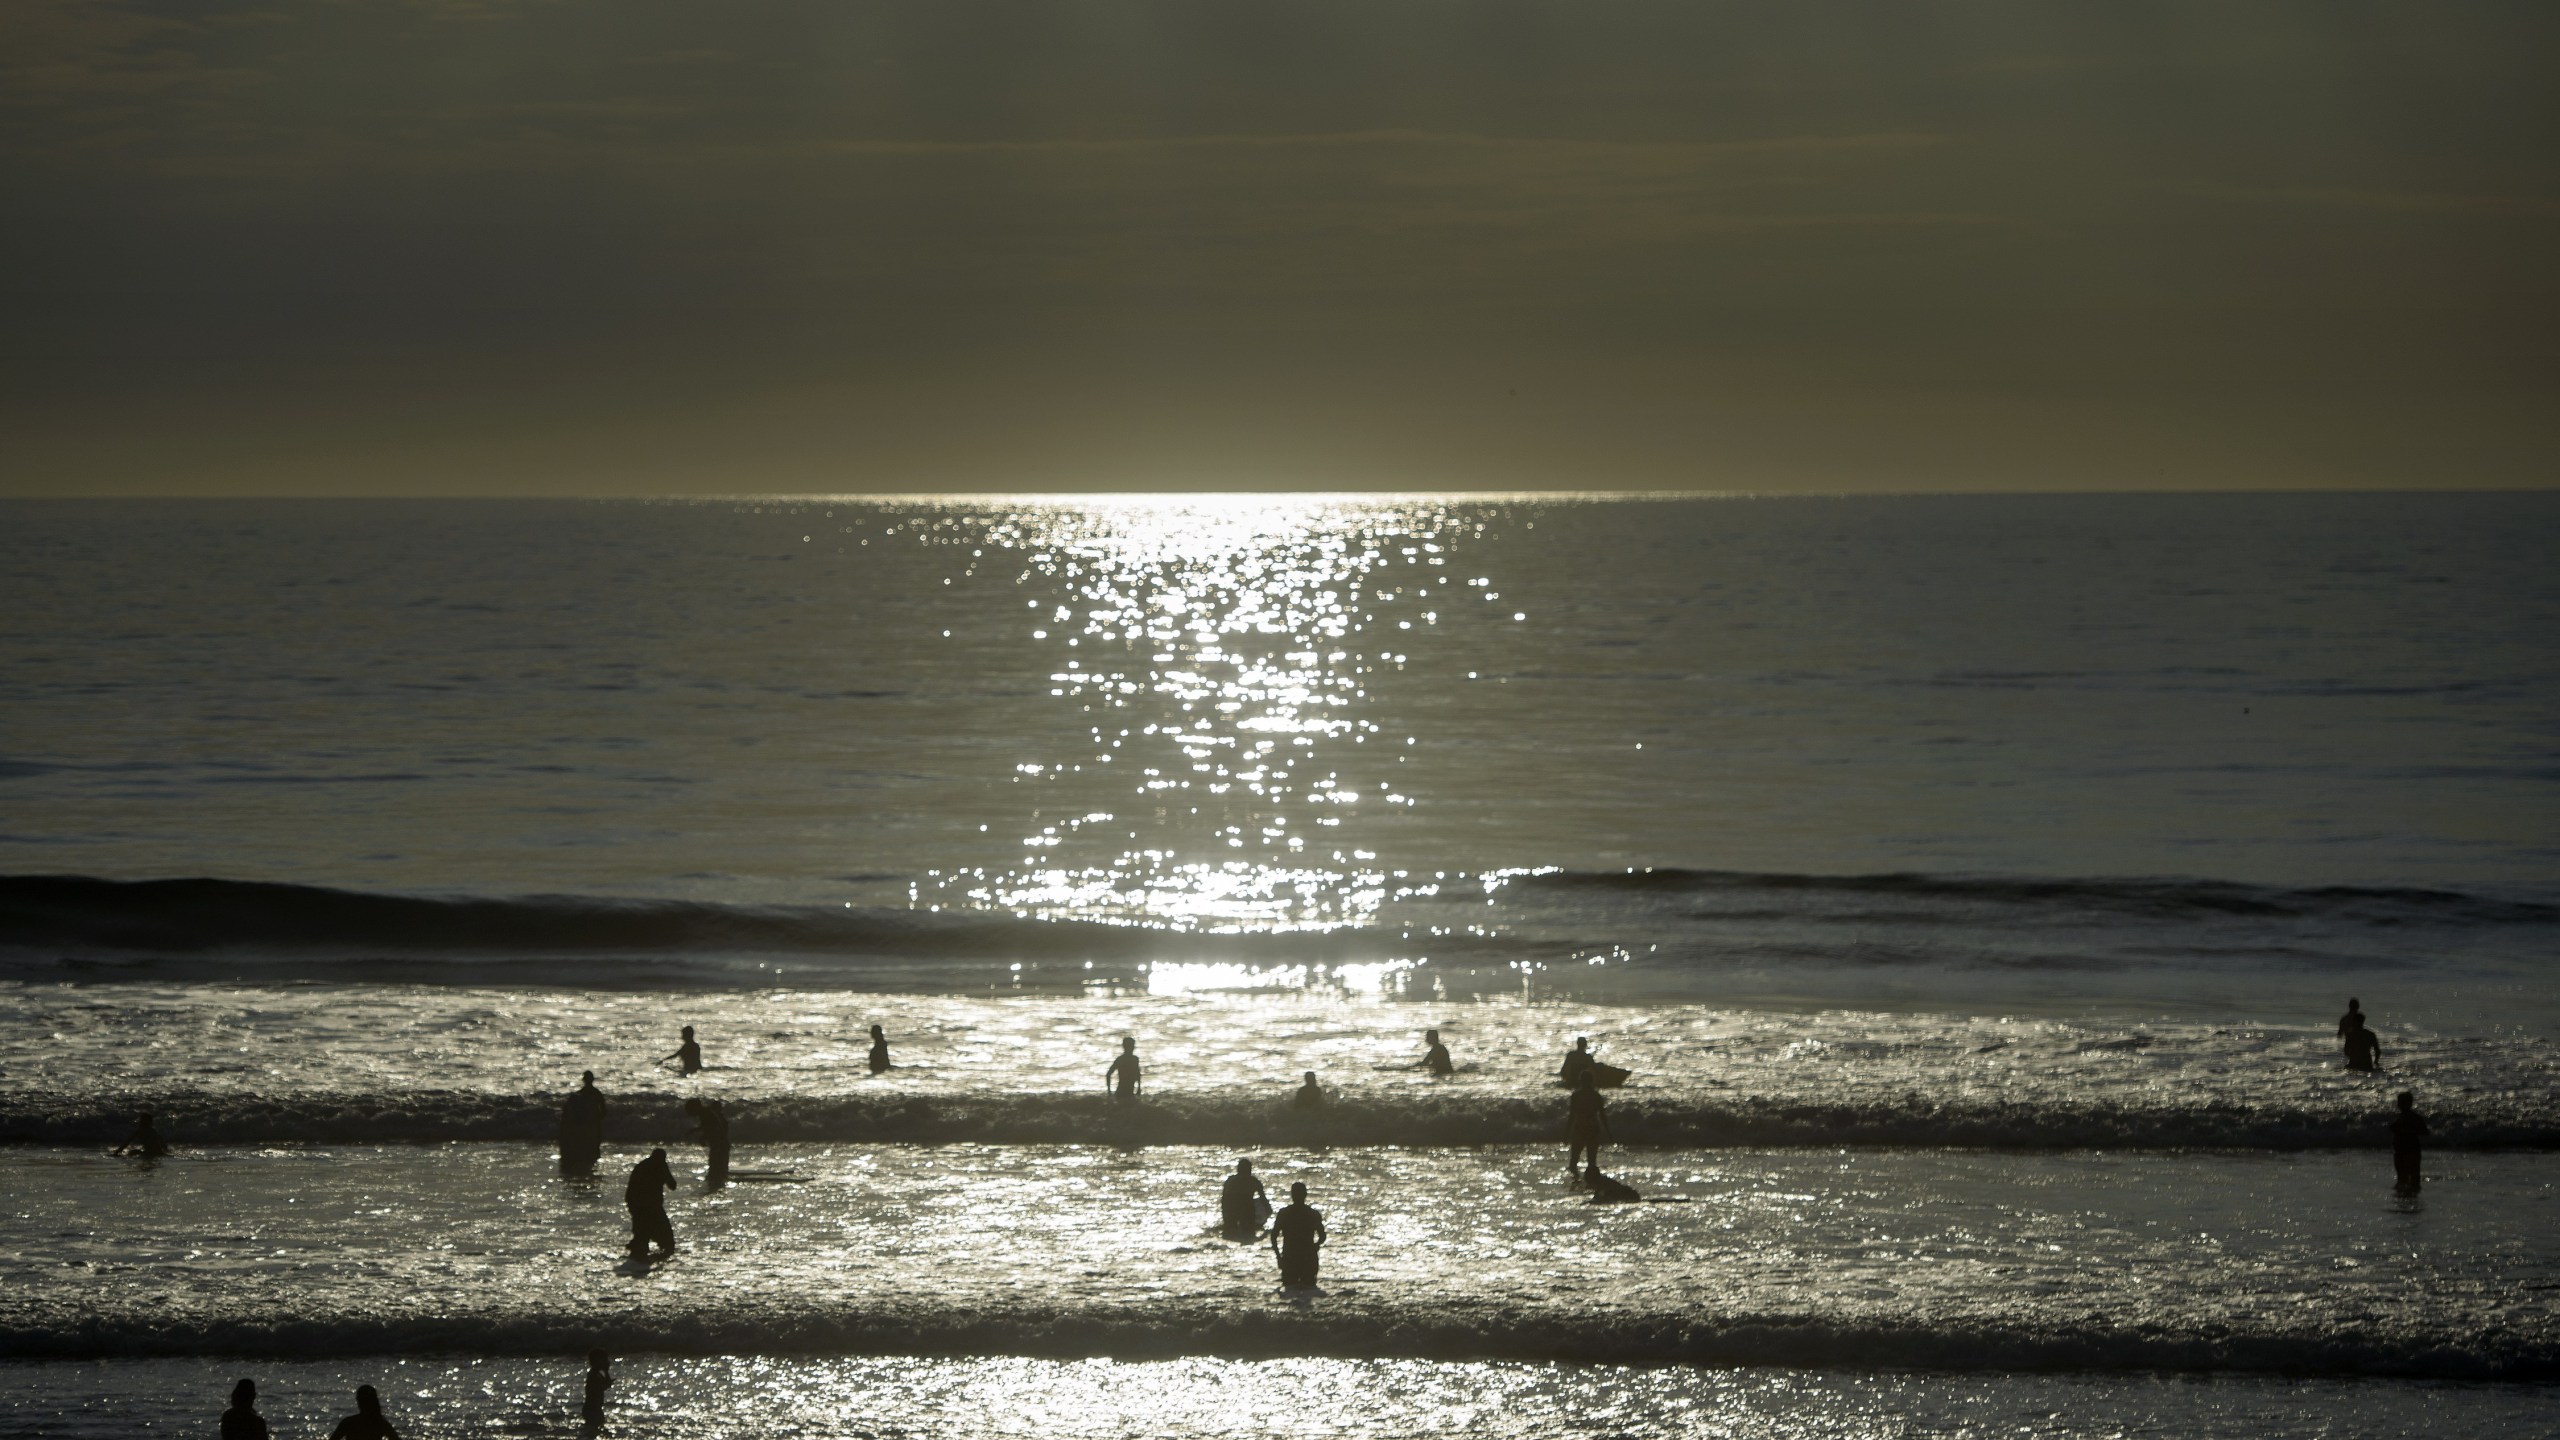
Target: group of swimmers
[(243, 1422)]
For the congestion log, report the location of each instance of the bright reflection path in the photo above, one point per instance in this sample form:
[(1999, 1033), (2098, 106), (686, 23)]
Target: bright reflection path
[(1218, 656)]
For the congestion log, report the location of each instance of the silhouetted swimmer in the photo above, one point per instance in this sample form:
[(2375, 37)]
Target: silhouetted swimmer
[(242, 1421), (711, 1122), (1309, 1096), (145, 1141), (2353, 1018), (1436, 1059), (2408, 1128), (1586, 1124), (1297, 1235), (646, 1197), (368, 1422), (599, 1380), (688, 1056), (879, 1050), (1242, 1204), (582, 1127), (2364, 1048), (1577, 1061), (1122, 1077)]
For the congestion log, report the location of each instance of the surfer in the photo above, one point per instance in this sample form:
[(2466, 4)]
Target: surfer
[(1577, 1060), (711, 1122), (582, 1127), (145, 1141), (1436, 1058), (1310, 1096), (688, 1056), (1243, 1205), (599, 1379), (242, 1421), (1606, 1190), (646, 1197), (2407, 1129), (1297, 1234), (367, 1423), (879, 1050), (2364, 1048), (1122, 1077), (1586, 1124)]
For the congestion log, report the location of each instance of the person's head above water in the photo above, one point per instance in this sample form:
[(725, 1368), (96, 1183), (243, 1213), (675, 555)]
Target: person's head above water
[(1298, 1192), (2354, 1004), (876, 1035), (688, 1032), (1311, 1077), (1244, 1167), (368, 1400), (597, 1359), (658, 1154), (244, 1394), (2407, 1099), (1581, 1042), (1431, 1037), (1128, 1044), (587, 1078)]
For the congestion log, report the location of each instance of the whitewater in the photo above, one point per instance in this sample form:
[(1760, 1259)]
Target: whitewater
[(1972, 885)]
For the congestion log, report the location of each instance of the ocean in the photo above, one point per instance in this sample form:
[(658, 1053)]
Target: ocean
[(1971, 883)]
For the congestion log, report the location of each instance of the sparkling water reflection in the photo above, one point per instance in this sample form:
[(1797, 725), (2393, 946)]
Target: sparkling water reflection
[(1220, 654)]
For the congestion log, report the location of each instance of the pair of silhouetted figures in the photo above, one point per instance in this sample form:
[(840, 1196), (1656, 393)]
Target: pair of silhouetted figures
[(1296, 1231), (2363, 1047), (243, 1422)]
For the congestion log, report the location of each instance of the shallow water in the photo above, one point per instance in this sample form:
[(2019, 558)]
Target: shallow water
[(1938, 1259), (680, 1398)]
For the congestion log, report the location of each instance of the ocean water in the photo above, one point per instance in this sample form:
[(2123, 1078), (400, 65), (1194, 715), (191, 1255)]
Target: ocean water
[(1971, 883)]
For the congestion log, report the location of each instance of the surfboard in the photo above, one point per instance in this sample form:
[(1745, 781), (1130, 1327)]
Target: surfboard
[(1606, 1077), (768, 1177)]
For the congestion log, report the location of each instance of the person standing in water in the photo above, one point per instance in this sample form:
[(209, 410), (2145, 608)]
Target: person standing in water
[(1436, 1058), (1309, 1096), (242, 1421), (145, 1140), (879, 1050), (582, 1127), (688, 1056), (1577, 1061), (599, 1380), (645, 1195), (1242, 1204), (1122, 1077), (2408, 1128), (1297, 1238), (2364, 1048), (368, 1422), (2349, 1021), (711, 1122), (1586, 1124)]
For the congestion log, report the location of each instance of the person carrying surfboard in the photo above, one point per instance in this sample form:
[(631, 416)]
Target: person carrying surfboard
[(1243, 1206), (711, 1122), (1122, 1077), (1586, 1124)]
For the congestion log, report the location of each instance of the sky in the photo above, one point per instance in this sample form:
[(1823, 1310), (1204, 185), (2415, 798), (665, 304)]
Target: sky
[(661, 246)]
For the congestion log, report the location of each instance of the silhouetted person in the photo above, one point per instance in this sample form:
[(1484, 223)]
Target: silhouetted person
[(2353, 1018), (1309, 1096), (646, 1197), (367, 1423), (1297, 1234), (1586, 1123), (879, 1050), (145, 1141), (1122, 1077), (599, 1379), (1242, 1203), (582, 1127), (711, 1122), (242, 1421), (688, 1056), (1436, 1059), (2364, 1048), (1577, 1061), (2408, 1128)]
